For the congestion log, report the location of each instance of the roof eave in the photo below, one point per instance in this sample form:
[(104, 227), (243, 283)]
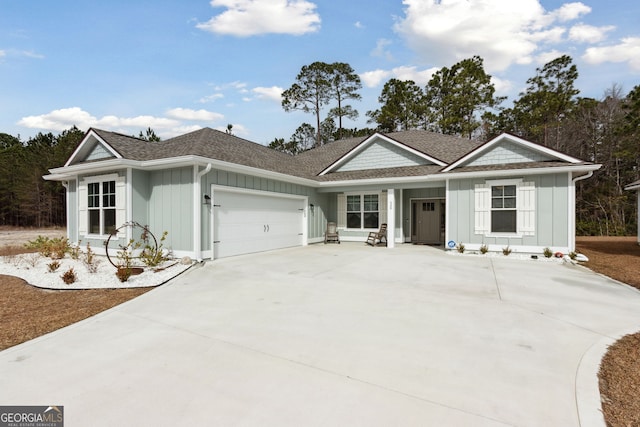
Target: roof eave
[(524, 171), (70, 172)]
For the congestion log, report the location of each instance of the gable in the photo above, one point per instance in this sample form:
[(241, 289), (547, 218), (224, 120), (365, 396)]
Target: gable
[(508, 152), (509, 149), (92, 148), (98, 152), (381, 154)]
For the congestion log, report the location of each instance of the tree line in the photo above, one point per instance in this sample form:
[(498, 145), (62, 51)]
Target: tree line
[(458, 100)]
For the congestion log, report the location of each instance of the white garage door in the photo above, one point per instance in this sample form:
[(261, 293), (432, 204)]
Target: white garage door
[(246, 222)]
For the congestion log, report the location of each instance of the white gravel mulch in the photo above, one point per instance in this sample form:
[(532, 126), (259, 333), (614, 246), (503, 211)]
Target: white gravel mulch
[(34, 269)]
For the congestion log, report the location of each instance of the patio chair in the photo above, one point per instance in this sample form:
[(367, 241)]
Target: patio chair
[(378, 236), (331, 234)]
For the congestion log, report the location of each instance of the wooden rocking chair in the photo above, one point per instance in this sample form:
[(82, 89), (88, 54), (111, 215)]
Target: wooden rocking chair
[(331, 234), (378, 236)]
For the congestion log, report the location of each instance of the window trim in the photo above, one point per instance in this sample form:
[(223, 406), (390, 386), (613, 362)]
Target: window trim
[(504, 182), (362, 211), (100, 180)]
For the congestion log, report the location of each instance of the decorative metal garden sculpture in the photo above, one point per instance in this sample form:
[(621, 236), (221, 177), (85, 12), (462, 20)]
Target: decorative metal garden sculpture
[(151, 254)]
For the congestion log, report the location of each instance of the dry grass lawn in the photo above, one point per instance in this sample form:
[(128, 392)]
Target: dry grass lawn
[(619, 376), (27, 312)]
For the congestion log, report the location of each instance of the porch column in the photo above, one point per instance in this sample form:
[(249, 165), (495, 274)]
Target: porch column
[(391, 218)]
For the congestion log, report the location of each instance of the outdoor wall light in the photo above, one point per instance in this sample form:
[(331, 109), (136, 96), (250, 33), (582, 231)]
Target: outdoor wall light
[(207, 199), (311, 207)]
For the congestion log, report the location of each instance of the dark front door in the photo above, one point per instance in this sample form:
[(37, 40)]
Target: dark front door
[(427, 222)]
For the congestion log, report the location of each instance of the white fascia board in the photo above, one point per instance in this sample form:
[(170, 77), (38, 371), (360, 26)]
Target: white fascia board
[(364, 144), (380, 181), (634, 186), (532, 146), (85, 141), (63, 173), (249, 170), (507, 172)]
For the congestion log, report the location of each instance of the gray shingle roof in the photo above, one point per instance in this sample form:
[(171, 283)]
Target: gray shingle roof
[(213, 144)]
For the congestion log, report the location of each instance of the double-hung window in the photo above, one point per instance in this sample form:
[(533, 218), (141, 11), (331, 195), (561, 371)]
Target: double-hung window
[(362, 211), (503, 208), (101, 204)]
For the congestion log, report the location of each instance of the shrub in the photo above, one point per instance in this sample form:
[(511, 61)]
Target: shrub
[(548, 253), (53, 266), (59, 247), (123, 273), (151, 256), (506, 251), (460, 248), (484, 249), (89, 260), (31, 259), (75, 251), (69, 276), (55, 248), (40, 244)]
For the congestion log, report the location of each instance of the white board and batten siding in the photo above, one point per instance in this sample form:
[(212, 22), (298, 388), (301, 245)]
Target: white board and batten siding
[(249, 221)]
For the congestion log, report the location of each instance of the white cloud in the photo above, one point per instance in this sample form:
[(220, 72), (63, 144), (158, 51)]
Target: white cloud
[(244, 18), (31, 54), (64, 118), (502, 32), (273, 93), (60, 120), (210, 98), (628, 50), (376, 77), (571, 11), (197, 115), (503, 87), (358, 25), (381, 49), (589, 34), (546, 57), (2, 53)]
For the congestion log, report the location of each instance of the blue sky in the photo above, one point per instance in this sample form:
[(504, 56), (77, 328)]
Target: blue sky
[(177, 66)]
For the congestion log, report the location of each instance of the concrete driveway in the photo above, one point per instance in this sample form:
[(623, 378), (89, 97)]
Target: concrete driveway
[(337, 335)]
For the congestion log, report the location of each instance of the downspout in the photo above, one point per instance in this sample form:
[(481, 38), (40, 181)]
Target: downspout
[(197, 211), (65, 184), (572, 216)]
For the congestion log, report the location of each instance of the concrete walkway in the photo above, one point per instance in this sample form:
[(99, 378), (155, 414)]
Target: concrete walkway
[(337, 335)]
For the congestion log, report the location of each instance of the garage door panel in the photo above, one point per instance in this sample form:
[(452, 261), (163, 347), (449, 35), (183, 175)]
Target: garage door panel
[(249, 222)]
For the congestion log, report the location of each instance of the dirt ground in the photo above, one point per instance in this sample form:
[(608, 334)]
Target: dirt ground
[(27, 312)]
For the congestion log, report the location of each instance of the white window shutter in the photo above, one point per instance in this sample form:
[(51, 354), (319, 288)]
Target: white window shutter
[(342, 211), (526, 209), (83, 216), (121, 211), (482, 208), (382, 208)]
